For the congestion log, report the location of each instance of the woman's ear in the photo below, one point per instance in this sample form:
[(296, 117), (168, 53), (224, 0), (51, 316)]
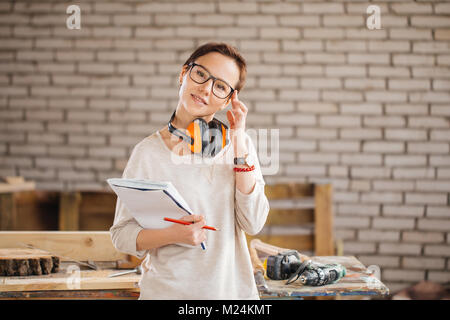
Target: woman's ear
[(182, 73)]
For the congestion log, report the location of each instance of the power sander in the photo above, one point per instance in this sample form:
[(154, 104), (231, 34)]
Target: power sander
[(288, 265)]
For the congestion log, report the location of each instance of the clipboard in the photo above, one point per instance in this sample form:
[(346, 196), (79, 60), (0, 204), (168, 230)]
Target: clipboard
[(150, 201)]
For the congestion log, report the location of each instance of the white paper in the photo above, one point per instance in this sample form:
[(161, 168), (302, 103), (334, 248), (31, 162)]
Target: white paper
[(150, 201)]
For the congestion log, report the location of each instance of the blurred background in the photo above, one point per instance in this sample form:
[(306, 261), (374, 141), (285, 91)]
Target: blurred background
[(365, 110)]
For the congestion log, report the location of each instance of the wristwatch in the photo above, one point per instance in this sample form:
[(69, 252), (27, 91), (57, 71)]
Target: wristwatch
[(246, 160)]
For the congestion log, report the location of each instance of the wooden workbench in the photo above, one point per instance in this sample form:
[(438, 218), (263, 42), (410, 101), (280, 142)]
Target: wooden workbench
[(97, 285), (94, 246), (93, 284)]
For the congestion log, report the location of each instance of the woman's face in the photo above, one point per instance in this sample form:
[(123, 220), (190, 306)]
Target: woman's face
[(219, 66)]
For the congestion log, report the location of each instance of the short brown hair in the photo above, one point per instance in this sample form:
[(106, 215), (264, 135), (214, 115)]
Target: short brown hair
[(226, 50)]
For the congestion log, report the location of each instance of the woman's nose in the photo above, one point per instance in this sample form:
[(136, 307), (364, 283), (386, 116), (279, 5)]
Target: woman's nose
[(206, 87)]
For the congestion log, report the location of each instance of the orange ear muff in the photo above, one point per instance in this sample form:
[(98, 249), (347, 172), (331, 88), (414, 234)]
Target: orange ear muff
[(196, 133), (224, 136)]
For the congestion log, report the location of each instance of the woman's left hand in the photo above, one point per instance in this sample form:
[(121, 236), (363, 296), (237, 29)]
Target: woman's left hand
[(237, 117)]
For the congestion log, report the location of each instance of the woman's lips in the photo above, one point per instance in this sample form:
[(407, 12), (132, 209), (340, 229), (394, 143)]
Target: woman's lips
[(197, 99)]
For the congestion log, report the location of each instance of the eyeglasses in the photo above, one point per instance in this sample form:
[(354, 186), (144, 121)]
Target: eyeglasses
[(200, 75)]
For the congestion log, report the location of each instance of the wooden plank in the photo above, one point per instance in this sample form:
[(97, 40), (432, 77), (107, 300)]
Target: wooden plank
[(14, 180), (69, 211), (110, 294), (256, 263), (8, 212), (297, 242), (290, 216), (288, 190), (88, 280), (324, 239), (78, 245), (16, 185)]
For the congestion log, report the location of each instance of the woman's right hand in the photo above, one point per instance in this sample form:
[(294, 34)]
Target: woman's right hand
[(193, 234)]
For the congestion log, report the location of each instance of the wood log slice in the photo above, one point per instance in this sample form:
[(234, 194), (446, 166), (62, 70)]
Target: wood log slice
[(27, 262)]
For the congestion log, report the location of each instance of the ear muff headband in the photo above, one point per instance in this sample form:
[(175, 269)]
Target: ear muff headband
[(179, 133), (215, 138)]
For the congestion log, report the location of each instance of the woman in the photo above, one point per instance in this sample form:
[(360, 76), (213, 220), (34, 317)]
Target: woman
[(223, 194)]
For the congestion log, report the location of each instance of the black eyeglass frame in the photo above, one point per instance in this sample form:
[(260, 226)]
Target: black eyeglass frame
[(193, 64)]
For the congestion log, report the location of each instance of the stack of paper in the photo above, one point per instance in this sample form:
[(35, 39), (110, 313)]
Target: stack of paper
[(150, 201)]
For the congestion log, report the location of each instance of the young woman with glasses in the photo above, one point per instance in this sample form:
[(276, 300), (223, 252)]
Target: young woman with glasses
[(226, 194)]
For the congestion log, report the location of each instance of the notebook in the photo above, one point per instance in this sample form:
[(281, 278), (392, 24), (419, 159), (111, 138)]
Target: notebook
[(150, 201)]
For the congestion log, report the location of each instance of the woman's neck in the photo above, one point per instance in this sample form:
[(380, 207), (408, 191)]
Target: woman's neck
[(182, 118)]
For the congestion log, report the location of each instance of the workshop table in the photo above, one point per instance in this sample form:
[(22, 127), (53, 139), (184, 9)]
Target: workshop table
[(95, 284)]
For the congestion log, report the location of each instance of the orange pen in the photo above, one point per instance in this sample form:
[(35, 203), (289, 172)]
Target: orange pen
[(188, 223)]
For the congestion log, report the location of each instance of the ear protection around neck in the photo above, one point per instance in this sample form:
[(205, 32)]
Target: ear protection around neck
[(204, 138)]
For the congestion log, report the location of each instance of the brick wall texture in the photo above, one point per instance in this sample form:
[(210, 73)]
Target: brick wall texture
[(368, 110)]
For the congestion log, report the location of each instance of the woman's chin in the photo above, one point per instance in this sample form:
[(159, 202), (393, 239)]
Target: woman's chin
[(198, 106), (195, 108)]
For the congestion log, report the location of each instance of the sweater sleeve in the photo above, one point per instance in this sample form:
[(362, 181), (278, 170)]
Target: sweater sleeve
[(252, 209), (125, 228)]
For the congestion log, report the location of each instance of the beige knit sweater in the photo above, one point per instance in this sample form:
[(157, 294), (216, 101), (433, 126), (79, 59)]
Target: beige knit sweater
[(223, 270)]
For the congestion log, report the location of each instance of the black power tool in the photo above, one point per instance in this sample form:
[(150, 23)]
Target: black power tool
[(288, 265)]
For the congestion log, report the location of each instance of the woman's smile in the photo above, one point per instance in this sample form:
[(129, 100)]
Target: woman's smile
[(198, 100)]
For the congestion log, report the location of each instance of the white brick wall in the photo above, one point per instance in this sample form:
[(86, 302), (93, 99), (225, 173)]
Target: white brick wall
[(366, 109)]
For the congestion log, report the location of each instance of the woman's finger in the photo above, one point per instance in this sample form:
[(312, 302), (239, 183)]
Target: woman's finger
[(198, 217), (234, 100), (238, 108), (200, 224), (243, 107), (192, 218), (187, 218), (238, 114), (230, 117), (236, 104), (234, 96)]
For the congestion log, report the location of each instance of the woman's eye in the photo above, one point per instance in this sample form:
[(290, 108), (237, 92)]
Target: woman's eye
[(201, 74), (221, 87)]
